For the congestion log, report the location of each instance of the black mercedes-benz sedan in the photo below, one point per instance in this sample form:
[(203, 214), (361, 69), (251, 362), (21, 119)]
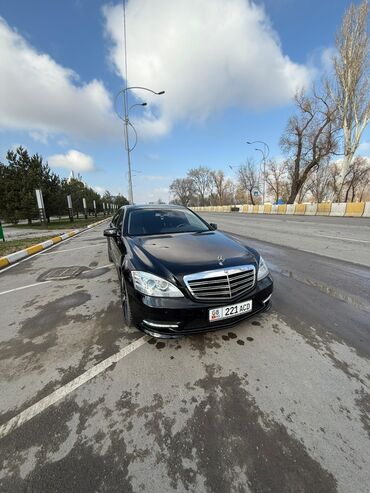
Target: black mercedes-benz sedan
[(179, 276)]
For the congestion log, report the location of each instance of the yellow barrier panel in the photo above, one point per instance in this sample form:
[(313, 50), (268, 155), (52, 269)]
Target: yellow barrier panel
[(281, 209), (255, 209), (355, 209), (4, 262), (34, 249), (300, 209), (245, 208), (323, 209), (267, 209)]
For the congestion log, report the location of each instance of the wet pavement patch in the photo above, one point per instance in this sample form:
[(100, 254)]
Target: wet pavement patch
[(225, 338), (228, 434), (160, 345), (250, 339), (53, 315), (240, 342), (256, 322), (232, 335)]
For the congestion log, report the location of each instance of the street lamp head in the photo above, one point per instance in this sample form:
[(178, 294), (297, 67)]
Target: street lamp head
[(160, 93), (144, 104), (249, 142)]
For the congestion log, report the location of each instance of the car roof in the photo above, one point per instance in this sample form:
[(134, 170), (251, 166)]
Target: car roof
[(154, 206)]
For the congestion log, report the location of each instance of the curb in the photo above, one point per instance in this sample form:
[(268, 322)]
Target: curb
[(12, 258)]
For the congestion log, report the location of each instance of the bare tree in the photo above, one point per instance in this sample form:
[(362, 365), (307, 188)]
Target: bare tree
[(222, 186), (276, 178), (350, 85), (183, 190), (320, 182), (309, 138), (201, 178), (356, 179), (249, 178)]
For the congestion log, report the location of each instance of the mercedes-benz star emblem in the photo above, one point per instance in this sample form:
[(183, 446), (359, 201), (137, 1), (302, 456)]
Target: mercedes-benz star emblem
[(220, 259)]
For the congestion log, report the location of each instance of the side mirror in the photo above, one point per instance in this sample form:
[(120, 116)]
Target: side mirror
[(110, 232), (213, 226)]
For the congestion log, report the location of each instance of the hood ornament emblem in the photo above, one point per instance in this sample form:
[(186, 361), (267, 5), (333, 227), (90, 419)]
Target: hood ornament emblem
[(220, 260)]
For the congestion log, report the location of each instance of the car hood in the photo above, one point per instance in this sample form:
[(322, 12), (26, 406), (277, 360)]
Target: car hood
[(186, 253)]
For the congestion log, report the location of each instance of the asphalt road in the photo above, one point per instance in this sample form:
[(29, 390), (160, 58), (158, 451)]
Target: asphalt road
[(278, 403)]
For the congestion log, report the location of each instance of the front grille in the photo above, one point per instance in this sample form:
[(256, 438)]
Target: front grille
[(221, 284)]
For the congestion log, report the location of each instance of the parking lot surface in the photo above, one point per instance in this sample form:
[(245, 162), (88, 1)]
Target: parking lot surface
[(277, 403)]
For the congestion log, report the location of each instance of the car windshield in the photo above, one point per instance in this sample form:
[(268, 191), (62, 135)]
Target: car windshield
[(163, 221)]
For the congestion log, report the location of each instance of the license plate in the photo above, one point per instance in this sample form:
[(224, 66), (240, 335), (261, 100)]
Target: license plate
[(230, 311)]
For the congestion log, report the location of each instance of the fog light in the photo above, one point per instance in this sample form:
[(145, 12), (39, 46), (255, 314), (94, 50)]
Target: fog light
[(162, 325), (267, 299)]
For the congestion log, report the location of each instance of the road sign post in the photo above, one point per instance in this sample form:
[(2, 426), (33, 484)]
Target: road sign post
[(41, 206), (85, 207), (2, 237), (94, 204), (70, 208)]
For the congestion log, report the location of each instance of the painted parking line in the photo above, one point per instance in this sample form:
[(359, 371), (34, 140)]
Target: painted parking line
[(62, 392), (24, 287), (76, 248), (342, 238), (45, 282)]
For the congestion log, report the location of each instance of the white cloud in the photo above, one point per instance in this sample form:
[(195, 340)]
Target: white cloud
[(72, 160), (207, 55), (42, 97), (364, 148), (155, 177), (99, 190)]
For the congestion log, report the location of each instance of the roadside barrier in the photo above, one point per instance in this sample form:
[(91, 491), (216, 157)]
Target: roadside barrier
[(323, 209), (12, 258), (281, 209), (353, 209), (310, 210), (300, 209), (367, 210), (338, 209)]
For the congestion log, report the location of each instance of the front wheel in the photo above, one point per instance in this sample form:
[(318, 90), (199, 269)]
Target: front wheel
[(125, 302)]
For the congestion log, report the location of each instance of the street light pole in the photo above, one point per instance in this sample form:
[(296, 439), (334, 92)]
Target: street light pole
[(127, 123), (265, 153)]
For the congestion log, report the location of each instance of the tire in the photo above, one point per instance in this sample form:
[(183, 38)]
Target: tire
[(125, 302)]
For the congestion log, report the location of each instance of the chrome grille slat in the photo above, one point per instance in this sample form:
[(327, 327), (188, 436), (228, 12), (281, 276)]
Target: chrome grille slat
[(221, 284), (238, 283), (237, 276)]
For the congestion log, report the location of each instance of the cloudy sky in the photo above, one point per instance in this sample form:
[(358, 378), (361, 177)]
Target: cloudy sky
[(229, 69)]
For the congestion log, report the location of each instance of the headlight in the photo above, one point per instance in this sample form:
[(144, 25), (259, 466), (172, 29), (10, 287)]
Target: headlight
[(262, 270), (154, 286)]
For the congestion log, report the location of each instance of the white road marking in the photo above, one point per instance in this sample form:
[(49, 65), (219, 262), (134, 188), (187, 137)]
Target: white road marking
[(62, 392), (44, 282), (342, 238), (76, 248), (24, 287)]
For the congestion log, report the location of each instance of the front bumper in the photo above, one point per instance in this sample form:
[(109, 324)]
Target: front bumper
[(174, 317)]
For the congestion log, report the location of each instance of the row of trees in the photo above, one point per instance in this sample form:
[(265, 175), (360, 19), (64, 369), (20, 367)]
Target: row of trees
[(320, 142), (202, 186), (23, 173)]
